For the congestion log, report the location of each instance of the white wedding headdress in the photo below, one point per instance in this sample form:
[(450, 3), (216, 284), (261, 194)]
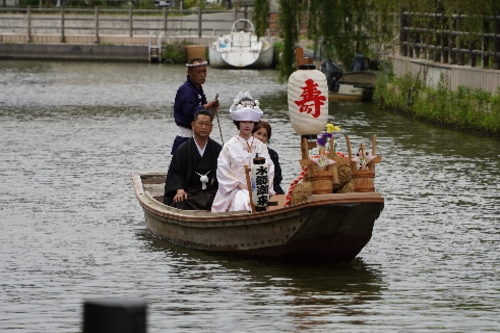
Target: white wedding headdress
[(245, 108)]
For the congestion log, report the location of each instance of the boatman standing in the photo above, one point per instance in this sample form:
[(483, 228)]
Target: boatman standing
[(192, 176), (191, 98)]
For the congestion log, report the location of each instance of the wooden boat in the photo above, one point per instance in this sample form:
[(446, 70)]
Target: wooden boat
[(328, 227), (324, 223), (359, 78), (351, 93), (241, 49), (352, 86)]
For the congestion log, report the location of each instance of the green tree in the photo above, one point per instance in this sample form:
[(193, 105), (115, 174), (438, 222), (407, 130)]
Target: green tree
[(260, 17), (343, 28)]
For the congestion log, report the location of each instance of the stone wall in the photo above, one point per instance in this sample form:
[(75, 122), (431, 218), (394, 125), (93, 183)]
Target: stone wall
[(430, 73)]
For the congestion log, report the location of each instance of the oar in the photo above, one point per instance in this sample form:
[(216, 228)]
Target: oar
[(214, 110)]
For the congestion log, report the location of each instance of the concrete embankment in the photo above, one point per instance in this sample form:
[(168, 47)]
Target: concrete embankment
[(74, 52)]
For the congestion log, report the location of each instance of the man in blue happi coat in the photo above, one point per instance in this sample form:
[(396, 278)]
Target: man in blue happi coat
[(189, 99)]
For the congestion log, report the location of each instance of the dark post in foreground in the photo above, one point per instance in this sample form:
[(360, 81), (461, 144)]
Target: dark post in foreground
[(114, 316)]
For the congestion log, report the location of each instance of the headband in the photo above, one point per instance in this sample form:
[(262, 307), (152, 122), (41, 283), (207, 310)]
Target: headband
[(204, 63)]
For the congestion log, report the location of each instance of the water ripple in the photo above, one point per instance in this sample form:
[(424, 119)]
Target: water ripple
[(71, 134)]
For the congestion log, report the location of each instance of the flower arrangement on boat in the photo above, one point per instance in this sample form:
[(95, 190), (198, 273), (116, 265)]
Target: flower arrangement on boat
[(325, 136), (362, 158), (323, 139)]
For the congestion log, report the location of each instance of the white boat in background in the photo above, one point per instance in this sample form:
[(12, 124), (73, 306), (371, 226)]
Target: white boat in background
[(241, 49)]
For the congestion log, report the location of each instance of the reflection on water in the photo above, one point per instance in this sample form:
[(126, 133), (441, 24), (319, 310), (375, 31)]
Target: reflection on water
[(354, 277), (311, 293), (71, 134)]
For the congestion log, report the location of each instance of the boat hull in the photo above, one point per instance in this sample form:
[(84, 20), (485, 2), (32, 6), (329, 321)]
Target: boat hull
[(327, 228), (365, 96), (360, 79), (240, 59)]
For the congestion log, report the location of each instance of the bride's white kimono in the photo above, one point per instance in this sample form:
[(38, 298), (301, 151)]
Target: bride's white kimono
[(235, 154)]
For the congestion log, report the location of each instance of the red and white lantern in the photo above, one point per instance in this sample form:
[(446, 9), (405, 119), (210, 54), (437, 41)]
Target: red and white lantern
[(308, 101)]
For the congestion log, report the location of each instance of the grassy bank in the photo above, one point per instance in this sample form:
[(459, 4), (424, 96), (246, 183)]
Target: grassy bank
[(471, 110)]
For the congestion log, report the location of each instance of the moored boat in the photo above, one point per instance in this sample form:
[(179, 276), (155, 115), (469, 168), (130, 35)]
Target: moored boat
[(356, 85), (352, 93), (241, 49)]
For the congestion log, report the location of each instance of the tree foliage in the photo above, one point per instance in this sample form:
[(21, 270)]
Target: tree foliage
[(261, 17), (343, 28), (288, 22)]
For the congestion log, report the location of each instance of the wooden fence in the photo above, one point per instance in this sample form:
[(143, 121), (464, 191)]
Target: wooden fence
[(115, 3), (132, 22), (441, 38)]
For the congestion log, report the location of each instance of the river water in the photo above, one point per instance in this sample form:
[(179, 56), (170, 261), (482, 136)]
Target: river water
[(71, 228)]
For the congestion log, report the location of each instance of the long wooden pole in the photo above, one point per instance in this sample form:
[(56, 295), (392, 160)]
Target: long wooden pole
[(130, 23), (165, 26), (29, 24), (403, 33), (349, 150), (96, 19), (199, 21), (374, 147), (249, 185), (496, 42), (214, 110), (63, 37), (335, 173)]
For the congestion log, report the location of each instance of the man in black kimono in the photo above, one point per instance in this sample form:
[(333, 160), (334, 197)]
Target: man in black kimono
[(192, 176), (189, 99)]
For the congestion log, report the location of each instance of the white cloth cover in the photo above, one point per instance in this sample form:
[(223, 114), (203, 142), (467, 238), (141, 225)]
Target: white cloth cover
[(231, 171), (185, 132), (308, 101), (245, 111)]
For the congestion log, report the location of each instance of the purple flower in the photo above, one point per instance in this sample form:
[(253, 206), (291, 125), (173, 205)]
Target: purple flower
[(323, 138), (321, 141)]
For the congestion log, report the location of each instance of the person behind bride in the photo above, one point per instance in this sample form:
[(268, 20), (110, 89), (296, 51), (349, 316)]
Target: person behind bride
[(239, 151)]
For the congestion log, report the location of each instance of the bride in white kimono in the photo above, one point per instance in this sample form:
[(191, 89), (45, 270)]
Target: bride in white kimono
[(239, 151)]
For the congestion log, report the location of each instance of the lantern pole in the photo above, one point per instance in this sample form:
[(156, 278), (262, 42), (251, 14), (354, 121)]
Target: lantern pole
[(249, 185)]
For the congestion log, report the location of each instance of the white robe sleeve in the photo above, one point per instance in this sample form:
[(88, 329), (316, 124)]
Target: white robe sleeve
[(230, 172)]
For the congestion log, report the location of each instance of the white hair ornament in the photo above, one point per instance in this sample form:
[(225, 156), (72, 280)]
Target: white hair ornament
[(198, 64)]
